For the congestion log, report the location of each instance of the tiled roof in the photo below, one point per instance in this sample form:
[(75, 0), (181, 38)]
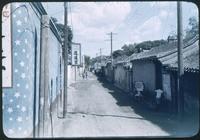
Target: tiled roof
[(120, 59), (105, 62), (190, 62), (167, 54), (189, 53)]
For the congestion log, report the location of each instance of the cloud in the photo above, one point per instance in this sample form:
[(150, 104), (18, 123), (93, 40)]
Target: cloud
[(93, 20), (195, 12), (165, 14), (149, 30), (162, 4), (152, 4)]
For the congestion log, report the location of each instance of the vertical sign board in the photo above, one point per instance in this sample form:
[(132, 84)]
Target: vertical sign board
[(76, 54), (6, 46)]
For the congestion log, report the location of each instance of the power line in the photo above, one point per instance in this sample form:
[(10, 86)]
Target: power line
[(100, 54)]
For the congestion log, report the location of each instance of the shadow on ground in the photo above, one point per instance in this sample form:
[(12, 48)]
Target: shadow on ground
[(167, 121)]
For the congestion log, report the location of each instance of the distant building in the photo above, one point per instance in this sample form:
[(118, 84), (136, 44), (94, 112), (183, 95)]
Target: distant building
[(172, 39)]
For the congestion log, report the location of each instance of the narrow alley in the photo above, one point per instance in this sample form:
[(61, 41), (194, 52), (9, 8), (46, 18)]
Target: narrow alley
[(96, 109), (100, 69)]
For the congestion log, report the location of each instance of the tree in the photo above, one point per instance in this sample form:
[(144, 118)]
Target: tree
[(147, 45), (54, 19), (61, 29), (137, 48), (192, 29), (118, 53), (87, 61), (129, 49)]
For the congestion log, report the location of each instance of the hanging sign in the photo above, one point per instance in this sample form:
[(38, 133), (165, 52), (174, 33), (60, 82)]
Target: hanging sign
[(76, 54), (6, 46)]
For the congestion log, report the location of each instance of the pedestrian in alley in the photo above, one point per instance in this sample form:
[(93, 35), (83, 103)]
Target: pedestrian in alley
[(83, 75), (86, 74)]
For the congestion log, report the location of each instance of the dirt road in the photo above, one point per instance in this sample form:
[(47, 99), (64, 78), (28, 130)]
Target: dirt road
[(97, 109)]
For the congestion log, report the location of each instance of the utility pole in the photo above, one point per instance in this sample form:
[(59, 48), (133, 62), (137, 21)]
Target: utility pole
[(180, 61), (111, 45), (44, 90), (65, 59), (75, 73), (100, 54)]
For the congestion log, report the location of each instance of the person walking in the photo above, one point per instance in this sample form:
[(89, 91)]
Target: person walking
[(83, 75), (86, 74)]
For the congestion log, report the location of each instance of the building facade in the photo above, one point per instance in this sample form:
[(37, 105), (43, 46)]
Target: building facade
[(23, 102)]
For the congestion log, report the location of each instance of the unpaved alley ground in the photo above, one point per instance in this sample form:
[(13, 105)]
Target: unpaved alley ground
[(97, 109)]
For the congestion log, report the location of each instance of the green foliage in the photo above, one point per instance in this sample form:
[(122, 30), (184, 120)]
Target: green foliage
[(137, 48), (129, 49), (92, 61), (54, 19), (87, 60), (192, 29), (118, 53), (61, 29), (147, 45), (98, 59)]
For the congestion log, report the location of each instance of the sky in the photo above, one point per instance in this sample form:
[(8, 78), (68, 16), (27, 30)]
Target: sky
[(133, 22)]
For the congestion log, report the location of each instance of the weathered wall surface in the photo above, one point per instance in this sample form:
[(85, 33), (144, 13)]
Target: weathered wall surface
[(191, 92), (109, 73), (144, 71), (18, 99), (190, 89), (121, 77), (54, 67), (166, 84)]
